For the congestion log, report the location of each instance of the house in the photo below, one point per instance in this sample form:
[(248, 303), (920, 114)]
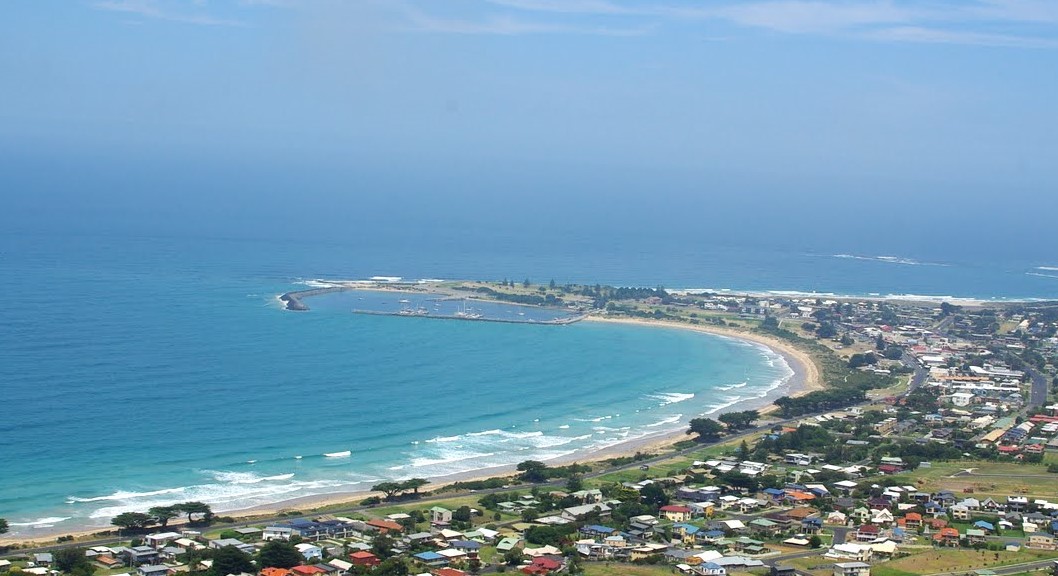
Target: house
[(273, 571), (277, 533), (1041, 542), (310, 551), (440, 515), (947, 537), (152, 570), (912, 520), (676, 513), (574, 513), (881, 517), (959, 512), (43, 559), (543, 565), (139, 555), (384, 526), (364, 558), (836, 517), (852, 569), (161, 539), (975, 536), (868, 532), (307, 570), (430, 558), (812, 525), (850, 551)]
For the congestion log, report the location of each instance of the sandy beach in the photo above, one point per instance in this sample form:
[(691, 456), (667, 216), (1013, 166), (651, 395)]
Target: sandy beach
[(806, 378)]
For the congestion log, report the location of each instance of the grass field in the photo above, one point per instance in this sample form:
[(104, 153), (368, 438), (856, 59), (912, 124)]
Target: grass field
[(617, 569), (955, 559), (1031, 480)]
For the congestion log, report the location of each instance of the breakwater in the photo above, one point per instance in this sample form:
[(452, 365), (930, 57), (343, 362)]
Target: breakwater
[(292, 300)]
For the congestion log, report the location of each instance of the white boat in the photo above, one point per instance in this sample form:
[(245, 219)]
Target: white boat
[(342, 454)]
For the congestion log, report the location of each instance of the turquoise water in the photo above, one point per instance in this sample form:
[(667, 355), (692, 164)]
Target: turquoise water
[(139, 373)]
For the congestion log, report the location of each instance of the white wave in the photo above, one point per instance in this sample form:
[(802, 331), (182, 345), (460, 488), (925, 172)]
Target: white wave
[(449, 459), (444, 439), (342, 454), (1048, 268), (493, 432), (1041, 275), (732, 386), (889, 260), (667, 398), (246, 477), (42, 522), (316, 283), (669, 420), (124, 495), (223, 496), (564, 427)]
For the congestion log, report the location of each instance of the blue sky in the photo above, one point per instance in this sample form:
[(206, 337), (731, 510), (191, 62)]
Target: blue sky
[(837, 103)]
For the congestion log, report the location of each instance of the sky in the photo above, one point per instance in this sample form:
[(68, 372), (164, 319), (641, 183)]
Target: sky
[(804, 110)]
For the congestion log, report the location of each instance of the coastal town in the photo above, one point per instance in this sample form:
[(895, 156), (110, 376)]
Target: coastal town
[(928, 446)]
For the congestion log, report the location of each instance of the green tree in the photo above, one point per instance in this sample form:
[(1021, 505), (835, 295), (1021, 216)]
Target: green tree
[(530, 514), (231, 560), (575, 483), (513, 557), (461, 514), (414, 484), (73, 561), (770, 322), (815, 541), (382, 546), (388, 488), (654, 495), (391, 567), (525, 283), (706, 428), (739, 420), (532, 471), (192, 508), (163, 514), (131, 520), (3, 526), (279, 554)]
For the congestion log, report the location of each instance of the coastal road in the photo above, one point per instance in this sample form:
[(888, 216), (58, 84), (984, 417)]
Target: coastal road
[(1005, 570)]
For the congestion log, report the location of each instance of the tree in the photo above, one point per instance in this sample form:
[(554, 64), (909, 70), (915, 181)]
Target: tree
[(131, 520), (705, 428), (382, 546), (279, 554), (654, 495), (575, 483), (231, 560), (513, 557), (461, 514), (391, 567), (388, 488), (815, 541), (739, 420), (770, 322), (532, 471), (192, 508), (73, 561), (163, 514), (3, 526), (525, 283), (414, 484), (530, 514)]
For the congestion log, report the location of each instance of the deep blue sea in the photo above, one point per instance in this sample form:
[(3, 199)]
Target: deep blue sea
[(140, 370)]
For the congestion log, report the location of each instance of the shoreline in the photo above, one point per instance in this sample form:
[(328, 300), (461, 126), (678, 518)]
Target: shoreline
[(805, 378)]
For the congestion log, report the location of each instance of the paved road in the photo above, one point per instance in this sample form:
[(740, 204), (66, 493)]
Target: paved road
[(1038, 394), (920, 375), (1012, 569)]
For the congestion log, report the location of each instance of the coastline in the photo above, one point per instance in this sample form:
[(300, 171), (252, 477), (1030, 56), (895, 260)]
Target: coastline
[(805, 379)]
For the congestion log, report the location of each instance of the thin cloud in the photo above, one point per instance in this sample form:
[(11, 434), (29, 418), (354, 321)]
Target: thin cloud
[(942, 21), (505, 25), (156, 11), (939, 36)]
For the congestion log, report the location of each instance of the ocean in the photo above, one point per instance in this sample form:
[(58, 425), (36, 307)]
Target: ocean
[(141, 370)]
